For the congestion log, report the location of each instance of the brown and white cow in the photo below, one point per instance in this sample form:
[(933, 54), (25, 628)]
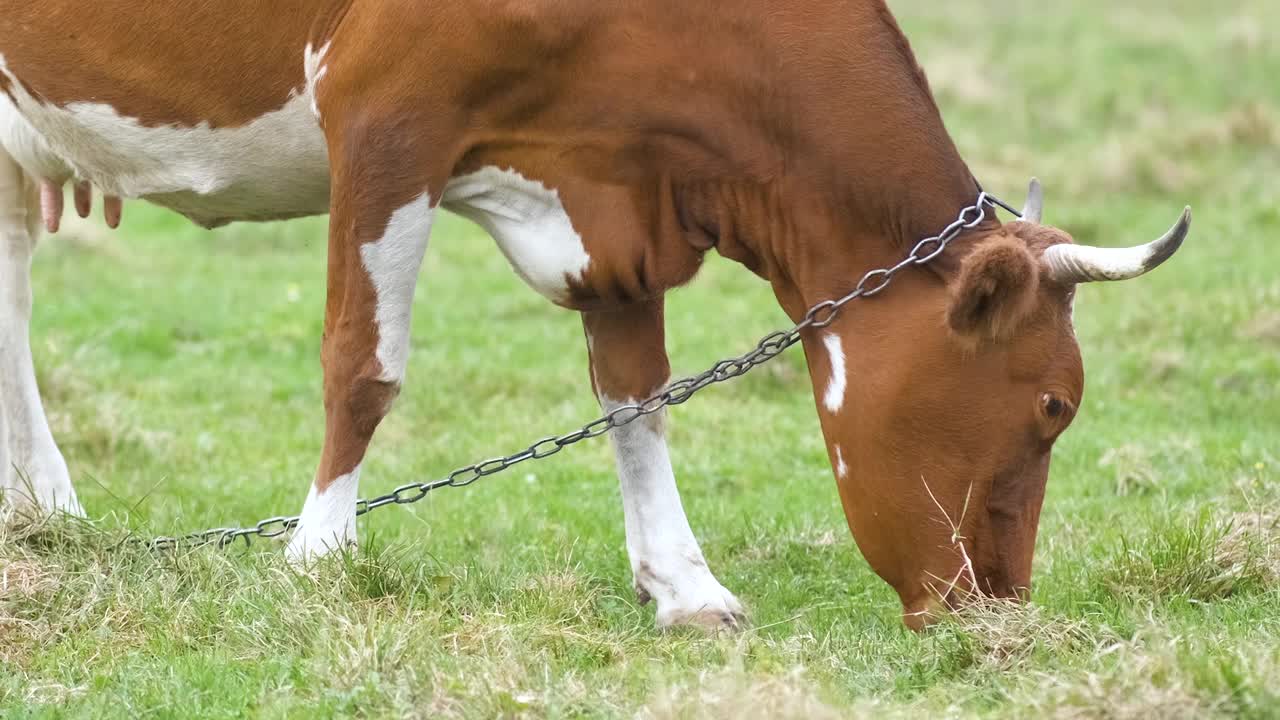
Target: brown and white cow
[(606, 146)]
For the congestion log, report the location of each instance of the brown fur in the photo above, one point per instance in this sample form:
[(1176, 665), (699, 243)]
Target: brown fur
[(628, 353), (170, 63)]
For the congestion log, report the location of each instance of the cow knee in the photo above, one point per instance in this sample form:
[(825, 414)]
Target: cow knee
[(368, 400), (356, 387)]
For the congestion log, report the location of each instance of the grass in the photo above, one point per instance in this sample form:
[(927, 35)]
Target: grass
[(181, 371)]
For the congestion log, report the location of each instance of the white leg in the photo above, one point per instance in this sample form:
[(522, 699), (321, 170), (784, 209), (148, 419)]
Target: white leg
[(34, 473), (629, 360), (666, 561), (363, 371)]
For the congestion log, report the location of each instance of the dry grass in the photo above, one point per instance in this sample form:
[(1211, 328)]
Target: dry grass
[(1156, 675), (25, 578), (1252, 544), (1265, 327), (1201, 559), (739, 695), (1005, 635), (1130, 694)]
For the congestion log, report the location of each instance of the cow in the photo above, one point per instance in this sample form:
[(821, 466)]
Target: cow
[(607, 147)]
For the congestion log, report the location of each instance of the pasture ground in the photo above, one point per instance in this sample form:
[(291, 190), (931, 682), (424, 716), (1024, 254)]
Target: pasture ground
[(181, 370)]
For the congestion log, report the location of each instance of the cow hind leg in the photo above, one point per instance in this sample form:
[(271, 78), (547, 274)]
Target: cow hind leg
[(33, 473), (377, 237), (628, 364)]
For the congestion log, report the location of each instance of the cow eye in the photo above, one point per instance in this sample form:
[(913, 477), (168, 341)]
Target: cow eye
[(1053, 405)]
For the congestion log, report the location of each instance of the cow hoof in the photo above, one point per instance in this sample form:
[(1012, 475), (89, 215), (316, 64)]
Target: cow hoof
[(326, 525), (38, 487), (719, 613), (306, 549), (72, 508), (18, 508)]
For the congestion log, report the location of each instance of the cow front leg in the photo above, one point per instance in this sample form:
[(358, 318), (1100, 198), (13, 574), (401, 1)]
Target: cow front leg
[(377, 238), (628, 364), (33, 473)]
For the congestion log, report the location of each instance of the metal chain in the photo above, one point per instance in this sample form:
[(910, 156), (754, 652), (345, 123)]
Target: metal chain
[(819, 316)]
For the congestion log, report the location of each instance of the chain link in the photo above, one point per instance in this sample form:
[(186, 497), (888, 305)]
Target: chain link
[(771, 346)]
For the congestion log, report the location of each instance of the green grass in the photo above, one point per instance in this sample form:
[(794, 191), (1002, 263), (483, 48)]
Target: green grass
[(181, 371)]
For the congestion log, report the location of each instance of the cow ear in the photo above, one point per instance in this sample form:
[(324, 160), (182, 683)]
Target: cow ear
[(995, 290)]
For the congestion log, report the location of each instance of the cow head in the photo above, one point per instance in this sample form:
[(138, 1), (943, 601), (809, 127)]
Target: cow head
[(941, 406)]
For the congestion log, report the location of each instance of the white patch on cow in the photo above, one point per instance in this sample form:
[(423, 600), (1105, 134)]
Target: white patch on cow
[(529, 223), (314, 70), (273, 167), (842, 470), (393, 263), (666, 561), (328, 520), (32, 469), (833, 398)]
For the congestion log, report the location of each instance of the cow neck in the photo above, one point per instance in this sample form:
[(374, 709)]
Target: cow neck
[(818, 245), (846, 167)]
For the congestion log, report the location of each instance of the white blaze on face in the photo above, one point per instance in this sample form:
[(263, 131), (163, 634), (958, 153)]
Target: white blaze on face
[(842, 470), (529, 223), (328, 520), (393, 263), (833, 398)]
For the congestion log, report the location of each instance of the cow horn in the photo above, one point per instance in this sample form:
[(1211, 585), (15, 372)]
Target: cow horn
[(1070, 264), (1033, 211)]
